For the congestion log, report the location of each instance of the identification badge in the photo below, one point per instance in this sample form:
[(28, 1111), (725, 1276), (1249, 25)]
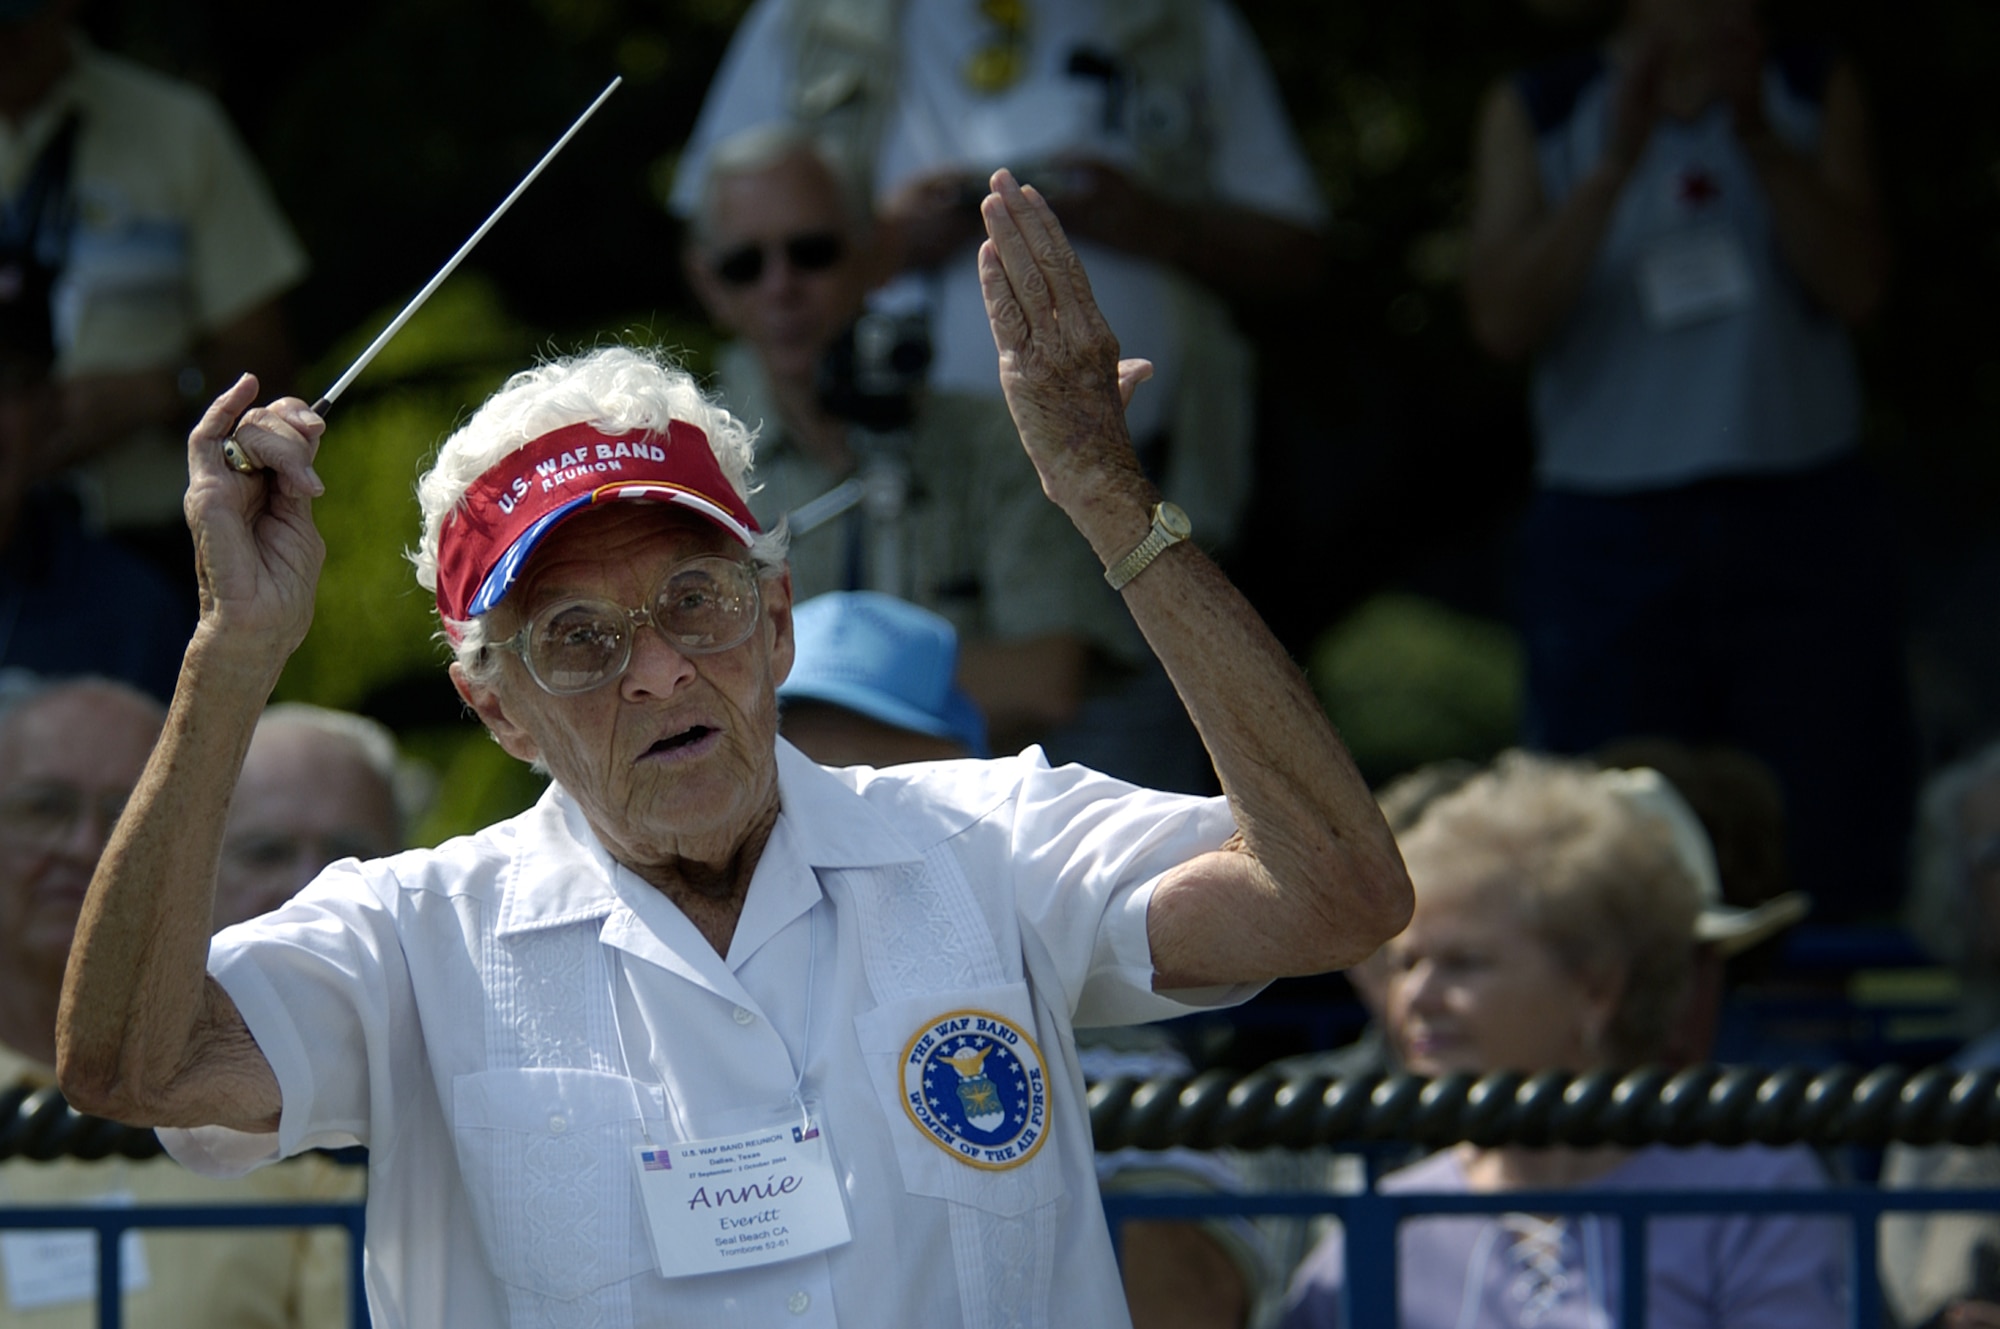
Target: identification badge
[(1692, 277), (732, 1202), (58, 1267)]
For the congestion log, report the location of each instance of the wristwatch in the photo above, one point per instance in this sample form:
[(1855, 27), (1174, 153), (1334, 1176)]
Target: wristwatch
[(1170, 527)]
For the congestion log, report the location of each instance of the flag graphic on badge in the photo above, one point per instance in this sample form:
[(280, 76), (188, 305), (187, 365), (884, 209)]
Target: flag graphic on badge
[(800, 1134), (657, 1160)]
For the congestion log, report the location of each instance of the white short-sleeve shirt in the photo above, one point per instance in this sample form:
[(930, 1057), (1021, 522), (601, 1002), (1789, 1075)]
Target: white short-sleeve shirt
[(493, 1018)]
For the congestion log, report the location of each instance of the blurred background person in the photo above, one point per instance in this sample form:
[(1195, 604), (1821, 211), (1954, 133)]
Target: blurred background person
[(70, 753), (942, 507), (318, 786), (871, 685), (1155, 131), (1679, 229), (1553, 930), (143, 248), (874, 684), (1944, 1268)]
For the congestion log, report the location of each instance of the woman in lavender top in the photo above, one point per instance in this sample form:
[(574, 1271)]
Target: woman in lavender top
[(1555, 928)]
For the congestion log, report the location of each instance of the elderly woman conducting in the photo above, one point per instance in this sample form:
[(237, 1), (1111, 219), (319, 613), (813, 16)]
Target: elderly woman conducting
[(1555, 929)]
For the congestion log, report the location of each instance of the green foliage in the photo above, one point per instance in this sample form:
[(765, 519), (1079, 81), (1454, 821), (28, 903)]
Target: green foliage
[(477, 784), (1408, 681)]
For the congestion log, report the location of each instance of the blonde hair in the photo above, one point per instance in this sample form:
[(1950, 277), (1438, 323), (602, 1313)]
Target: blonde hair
[(1595, 877)]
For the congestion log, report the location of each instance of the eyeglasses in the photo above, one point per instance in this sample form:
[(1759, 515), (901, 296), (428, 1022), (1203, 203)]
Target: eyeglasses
[(45, 815), (703, 605), (810, 251)]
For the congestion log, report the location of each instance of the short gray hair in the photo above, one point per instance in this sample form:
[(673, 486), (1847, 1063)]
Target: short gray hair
[(616, 388), (21, 689), (1600, 881), (763, 146)]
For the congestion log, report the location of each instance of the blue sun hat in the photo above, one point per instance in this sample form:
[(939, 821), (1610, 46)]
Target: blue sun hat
[(886, 659)]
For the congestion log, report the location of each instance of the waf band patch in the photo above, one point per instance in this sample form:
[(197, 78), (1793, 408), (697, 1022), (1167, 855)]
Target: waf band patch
[(974, 1082)]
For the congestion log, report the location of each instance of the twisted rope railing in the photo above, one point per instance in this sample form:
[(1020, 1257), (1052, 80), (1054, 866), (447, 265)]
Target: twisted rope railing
[(1841, 1105), (39, 1124), (1700, 1105)]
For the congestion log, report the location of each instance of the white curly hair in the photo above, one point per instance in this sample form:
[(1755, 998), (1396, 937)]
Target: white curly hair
[(616, 388)]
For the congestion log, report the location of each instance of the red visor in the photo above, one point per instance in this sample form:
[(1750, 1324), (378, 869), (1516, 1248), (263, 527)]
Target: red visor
[(507, 511)]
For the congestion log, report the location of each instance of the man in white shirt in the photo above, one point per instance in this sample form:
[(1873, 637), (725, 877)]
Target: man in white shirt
[(711, 1035), (1154, 127)]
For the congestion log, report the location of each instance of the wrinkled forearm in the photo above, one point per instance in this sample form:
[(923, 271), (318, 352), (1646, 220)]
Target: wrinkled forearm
[(1315, 881), (144, 1034)]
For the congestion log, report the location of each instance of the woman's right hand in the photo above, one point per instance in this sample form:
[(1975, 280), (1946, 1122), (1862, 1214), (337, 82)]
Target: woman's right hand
[(257, 552)]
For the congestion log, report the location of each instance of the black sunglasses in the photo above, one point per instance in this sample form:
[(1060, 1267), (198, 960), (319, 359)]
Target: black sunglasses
[(814, 251)]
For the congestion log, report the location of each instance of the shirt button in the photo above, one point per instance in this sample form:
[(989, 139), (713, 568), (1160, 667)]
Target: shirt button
[(798, 1302), (557, 1125), (747, 1017)]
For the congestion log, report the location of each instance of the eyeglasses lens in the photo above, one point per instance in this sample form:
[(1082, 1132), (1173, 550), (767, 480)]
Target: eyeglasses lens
[(707, 606), (704, 605), (814, 251), (578, 646)]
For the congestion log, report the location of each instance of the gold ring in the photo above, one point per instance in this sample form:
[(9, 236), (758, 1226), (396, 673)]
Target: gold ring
[(239, 460)]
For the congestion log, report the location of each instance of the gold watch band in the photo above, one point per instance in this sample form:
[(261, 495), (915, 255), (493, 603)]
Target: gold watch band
[(1170, 527)]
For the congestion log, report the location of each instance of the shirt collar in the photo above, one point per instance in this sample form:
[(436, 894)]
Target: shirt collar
[(834, 826), (562, 874)]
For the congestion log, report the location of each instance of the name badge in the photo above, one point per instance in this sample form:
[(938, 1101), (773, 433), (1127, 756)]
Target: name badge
[(733, 1202), (58, 1267), (1692, 277)]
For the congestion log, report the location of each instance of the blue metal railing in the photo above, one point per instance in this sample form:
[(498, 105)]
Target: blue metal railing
[(1370, 1221), (1840, 1108), (111, 1225)]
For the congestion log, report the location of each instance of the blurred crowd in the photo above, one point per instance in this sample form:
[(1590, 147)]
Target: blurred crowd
[(1676, 231)]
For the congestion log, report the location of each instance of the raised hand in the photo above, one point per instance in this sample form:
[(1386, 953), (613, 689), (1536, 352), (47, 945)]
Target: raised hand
[(1059, 365), (257, 552)]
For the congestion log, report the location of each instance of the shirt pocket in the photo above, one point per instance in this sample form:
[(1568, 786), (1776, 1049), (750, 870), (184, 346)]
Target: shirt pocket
[(965, 1092), (545, 1158)]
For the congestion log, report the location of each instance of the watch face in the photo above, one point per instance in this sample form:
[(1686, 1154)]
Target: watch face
[(1174, 521)]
